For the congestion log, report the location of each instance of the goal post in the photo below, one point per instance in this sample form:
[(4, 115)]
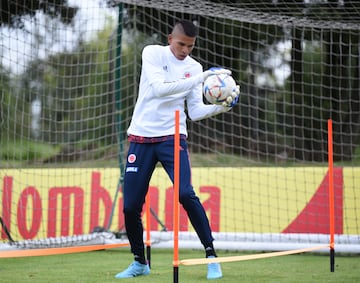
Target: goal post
[(260, 170)]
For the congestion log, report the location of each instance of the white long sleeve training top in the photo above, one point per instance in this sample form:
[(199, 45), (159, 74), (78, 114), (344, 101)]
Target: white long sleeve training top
[(165, 84)]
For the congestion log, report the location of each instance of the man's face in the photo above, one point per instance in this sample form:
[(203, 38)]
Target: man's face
[(181, 45)]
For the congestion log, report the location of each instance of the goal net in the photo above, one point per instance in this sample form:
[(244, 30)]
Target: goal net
[(69, 76)]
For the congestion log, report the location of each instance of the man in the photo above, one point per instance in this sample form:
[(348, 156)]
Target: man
[(170, 80)]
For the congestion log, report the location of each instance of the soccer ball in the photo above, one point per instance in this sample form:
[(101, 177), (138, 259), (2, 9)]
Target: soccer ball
[(218, 89)]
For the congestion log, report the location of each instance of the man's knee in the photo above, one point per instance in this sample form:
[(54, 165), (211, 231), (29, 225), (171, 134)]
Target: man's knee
[(131, 212), (188, 197)]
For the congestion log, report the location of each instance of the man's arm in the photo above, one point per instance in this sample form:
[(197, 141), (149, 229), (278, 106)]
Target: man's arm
[(160, 87), (197, 110)]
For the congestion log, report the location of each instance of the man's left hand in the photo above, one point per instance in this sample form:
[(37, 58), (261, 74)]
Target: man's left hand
[(233, 99)]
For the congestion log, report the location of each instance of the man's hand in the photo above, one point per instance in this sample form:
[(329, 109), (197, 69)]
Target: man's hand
[(233, 99), (215, 71)]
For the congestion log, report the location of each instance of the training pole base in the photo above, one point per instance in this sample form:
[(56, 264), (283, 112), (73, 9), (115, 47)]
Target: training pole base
[(176, 274)]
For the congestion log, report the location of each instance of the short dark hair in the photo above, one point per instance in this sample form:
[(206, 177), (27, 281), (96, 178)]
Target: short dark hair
[(187, 27)]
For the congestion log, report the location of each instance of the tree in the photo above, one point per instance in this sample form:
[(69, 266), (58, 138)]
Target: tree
[(338, 98), (340, 84), (4, 100), (12, 12), (73, 88)]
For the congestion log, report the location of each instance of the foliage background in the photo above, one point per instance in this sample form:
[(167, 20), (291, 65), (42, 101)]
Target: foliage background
[(84, 113)]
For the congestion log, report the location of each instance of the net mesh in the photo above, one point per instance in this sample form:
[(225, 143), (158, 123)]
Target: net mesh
[(69, 75)]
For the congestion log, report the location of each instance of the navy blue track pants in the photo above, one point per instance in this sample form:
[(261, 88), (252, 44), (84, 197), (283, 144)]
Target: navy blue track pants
[(141, 161)]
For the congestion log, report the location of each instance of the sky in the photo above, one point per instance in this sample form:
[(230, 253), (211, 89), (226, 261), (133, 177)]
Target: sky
[(18, 47)]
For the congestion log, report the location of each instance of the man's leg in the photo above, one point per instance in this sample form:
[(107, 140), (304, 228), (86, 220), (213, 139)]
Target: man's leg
[(139, 168), (187, 196), (189, 200)]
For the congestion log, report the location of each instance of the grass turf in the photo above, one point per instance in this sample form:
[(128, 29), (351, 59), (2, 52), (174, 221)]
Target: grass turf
[(101, 266)]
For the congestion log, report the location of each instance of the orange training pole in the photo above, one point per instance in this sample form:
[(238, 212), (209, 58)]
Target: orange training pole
[(331, 196), (148, 240), (176, 196)]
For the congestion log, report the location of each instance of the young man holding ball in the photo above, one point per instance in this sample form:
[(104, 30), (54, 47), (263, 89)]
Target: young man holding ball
[(170, 80)]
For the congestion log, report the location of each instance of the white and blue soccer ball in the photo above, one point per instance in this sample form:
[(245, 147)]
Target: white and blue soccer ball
[(219, 89)]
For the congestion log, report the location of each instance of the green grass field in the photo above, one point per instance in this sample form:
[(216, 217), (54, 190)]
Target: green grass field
[(101, 266)]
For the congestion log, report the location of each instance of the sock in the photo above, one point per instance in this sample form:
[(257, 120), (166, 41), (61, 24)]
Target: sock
[(210, 251), (140, 259)]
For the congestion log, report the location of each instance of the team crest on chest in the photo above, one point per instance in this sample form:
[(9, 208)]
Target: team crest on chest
[(187, 75)]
